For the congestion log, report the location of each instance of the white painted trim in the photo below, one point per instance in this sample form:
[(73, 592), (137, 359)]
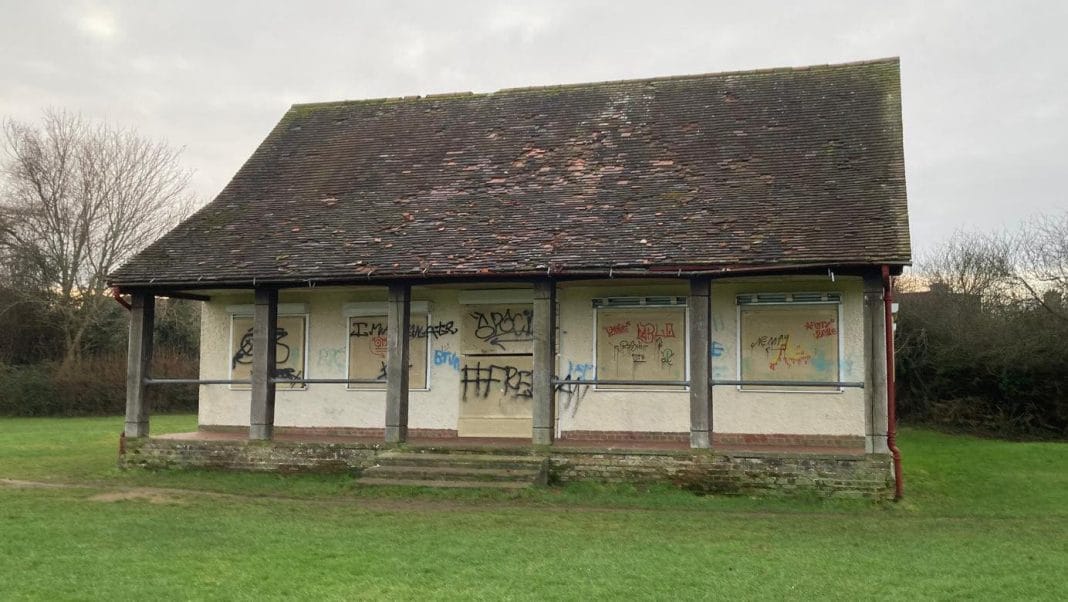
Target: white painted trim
[(495, 296), (284, 309), (378, 308)]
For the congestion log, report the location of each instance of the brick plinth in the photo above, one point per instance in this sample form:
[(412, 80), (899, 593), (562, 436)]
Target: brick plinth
[(354, 432), (624, 436), (786, 440), (751, 472)]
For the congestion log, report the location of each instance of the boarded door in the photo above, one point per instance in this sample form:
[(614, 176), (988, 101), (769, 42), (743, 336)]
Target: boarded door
[(496, 389)]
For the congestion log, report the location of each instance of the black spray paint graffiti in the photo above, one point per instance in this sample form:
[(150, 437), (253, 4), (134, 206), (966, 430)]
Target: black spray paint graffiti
[(636, 351), (498, 327), (435, 330), (289, 374), (243, 356), (510, 381), (571, 394), (415, 331)]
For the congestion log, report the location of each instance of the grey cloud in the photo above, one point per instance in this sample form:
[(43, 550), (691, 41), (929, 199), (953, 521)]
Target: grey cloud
[(983, 85)]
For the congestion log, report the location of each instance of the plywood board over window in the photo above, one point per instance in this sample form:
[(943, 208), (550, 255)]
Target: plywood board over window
[(498, 329), (499, 386), (367, 351), (789, 342), (641, 343), (290, 349)]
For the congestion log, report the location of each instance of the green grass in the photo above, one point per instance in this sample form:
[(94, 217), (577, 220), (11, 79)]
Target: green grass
[(982, 519)]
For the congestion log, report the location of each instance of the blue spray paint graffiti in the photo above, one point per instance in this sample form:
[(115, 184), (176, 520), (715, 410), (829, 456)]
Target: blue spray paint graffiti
[(579, 371), (571, 395), (717, 349), (444, 357)]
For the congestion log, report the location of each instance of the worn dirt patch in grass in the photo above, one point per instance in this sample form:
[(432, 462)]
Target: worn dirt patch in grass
[(146, 495)]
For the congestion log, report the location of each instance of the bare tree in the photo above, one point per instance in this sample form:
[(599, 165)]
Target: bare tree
[(79, 197), (1042, 258), (973, 264)]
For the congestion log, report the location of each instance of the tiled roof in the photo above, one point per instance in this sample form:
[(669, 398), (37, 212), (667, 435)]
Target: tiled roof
[(780, 167)]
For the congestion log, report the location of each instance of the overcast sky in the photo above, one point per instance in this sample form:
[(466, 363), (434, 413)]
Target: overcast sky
[(984, 84)]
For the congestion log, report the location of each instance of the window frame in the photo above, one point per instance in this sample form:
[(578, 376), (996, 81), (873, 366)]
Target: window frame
[(235, 312), (373, 309), (807, 299), (642, 303)]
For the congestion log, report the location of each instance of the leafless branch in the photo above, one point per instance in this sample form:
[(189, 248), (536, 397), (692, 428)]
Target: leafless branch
[(78, 199)]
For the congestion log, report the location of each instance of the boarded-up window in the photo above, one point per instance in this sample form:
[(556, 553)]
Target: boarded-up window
[(367, 351), (641, 343), (789, 342), (290, 349), (498, 329)]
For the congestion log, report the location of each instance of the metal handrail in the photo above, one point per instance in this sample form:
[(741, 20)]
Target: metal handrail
[(585, 381), (274, 380), (555, 381), (714, 383), (788, 383), (327, 381), (195, 381)]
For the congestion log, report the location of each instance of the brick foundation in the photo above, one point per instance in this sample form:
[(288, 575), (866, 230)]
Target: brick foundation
[(726, 439), (784, 440), (624, 436), (750, 472), (330, 431)]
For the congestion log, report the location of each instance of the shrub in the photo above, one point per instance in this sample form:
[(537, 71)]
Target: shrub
[(91, 386), (999, 367)]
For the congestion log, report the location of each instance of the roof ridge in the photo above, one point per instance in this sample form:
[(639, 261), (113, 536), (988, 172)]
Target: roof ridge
[(663, 78), (761, 71)]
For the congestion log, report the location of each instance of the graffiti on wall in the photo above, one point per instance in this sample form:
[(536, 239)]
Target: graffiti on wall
[(795, 343), (289, 350), (369, 343), (570, 395), (498, 329), (641, 343), (444, 357), (501, 379)]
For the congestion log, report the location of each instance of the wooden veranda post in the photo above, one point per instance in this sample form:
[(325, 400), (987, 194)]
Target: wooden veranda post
[(544, 410), (398, 321), (142, 321), (700, 363), (264, 336)]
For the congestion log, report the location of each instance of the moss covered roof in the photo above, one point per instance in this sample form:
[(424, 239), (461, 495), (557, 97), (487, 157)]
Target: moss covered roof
[(726, 171)]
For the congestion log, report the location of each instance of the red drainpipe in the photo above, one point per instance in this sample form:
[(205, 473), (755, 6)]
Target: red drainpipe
[(891, 397), (117, 296)]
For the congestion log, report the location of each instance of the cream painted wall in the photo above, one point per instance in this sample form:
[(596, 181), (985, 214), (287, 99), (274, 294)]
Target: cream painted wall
[(328, 404), (829, 413), (591, 409), (798, 413)]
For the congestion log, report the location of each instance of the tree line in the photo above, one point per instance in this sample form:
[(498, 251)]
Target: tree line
[(77, 198), (982, 339)]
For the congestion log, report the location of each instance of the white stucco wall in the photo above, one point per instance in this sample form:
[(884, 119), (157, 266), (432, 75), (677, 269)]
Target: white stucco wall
[(330, 405), (327, 405), (801, 413)]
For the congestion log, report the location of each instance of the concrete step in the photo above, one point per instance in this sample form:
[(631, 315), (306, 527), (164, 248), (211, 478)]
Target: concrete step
[(446, 484), (453, 473), (440, 469)]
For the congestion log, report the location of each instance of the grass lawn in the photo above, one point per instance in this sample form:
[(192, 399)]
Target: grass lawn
[(982, 519)]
